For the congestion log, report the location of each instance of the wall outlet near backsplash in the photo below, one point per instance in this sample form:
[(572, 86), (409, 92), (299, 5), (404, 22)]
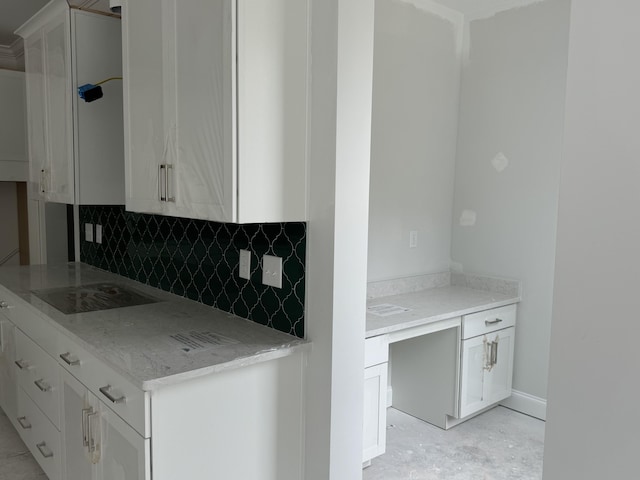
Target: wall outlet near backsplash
[(202, 261)]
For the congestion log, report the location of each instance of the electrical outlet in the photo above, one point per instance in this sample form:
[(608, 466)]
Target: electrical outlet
[(88, 232), (98, 233), (244, 269), (272, 271), (413, 239)]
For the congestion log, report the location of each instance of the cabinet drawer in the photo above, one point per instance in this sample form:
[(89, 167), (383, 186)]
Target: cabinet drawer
[(376, 350), (39, 435), (39, 375), (488, 321), (118, 393), (27, 319)]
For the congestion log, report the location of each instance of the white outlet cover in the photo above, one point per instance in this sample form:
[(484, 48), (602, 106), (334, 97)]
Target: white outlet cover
[(272, 271), (88, 232), (98, 233), (244, 268)]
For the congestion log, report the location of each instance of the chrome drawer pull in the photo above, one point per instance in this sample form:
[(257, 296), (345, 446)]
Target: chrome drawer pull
[(492, 322), (42, 385), (24, 423), (45, 453), (106, 393), (3, 304), (22, 364), (67, 360)]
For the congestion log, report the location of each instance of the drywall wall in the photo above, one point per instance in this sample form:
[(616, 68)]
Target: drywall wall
[(593, 418), (507, 167), (9, 240), (414, 124)]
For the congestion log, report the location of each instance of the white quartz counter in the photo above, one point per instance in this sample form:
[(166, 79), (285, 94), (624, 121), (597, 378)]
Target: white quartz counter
[(136, 341), (432, 305)]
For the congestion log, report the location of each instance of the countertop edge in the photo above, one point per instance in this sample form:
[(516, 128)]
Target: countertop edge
[(436, 318)]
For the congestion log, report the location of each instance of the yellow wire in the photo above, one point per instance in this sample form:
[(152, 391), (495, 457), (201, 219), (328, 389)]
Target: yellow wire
[(110, 78)]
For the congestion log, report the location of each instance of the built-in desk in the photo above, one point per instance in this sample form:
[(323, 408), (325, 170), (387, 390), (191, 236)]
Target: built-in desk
[(441, 354)]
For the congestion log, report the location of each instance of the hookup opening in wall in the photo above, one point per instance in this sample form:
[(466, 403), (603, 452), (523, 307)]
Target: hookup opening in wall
[(90, 92)]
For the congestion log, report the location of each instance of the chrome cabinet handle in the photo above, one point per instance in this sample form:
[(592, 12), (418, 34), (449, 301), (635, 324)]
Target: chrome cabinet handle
[(42, 385), (22, 364), (92, 441), (169, 182), (492, 322), (106, 392), (45, 453), (494, 353), (67, 359), (24, 423), (3, 304), (162, 182), (85, 434)]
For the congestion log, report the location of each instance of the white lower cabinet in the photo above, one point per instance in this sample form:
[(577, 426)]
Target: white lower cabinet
[(486, 368), (8, 385), (375, 411), (99, 445), (40, 436)]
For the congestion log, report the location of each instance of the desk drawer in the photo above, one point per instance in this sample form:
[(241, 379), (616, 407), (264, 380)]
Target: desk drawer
[(119, 394), (40, 436), (488, 321), (376, 351), (39, 375)]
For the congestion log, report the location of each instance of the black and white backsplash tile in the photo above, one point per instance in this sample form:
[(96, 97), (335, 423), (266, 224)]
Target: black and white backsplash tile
[(199, 260)]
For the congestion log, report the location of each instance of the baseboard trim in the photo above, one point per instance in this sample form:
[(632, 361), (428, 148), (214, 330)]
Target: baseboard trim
[(527, 404)]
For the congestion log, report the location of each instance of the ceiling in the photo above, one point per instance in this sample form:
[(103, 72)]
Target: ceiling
[(13, 13)]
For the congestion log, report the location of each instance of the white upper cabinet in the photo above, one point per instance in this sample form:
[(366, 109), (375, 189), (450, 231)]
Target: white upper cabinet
[(14, 163), (76, 148), (215, 97)]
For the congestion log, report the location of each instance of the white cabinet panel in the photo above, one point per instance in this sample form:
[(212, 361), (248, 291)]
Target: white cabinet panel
[(375, 411), (14, 160), (76, 408), (8, 384)]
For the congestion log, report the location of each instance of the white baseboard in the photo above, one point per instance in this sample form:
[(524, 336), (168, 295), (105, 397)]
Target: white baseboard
[(527, 404)]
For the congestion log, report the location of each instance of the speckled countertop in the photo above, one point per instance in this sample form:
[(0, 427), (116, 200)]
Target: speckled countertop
[(432, 305), (137, 341)]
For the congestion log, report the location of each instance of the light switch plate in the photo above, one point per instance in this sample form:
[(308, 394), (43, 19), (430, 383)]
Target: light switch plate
[(272, 271), (244, 269), (88, 232), (98, 233)]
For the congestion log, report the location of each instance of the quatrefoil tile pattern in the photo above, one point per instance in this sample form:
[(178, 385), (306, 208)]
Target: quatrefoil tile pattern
[(199, 260)]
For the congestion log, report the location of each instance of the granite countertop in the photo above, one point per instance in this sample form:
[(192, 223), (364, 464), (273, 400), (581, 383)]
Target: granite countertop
[(434, 304), (151, 344)]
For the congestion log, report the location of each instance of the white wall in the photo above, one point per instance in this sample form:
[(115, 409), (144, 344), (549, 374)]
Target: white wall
[(512, 99), (9, 216), (414, 125), (593, 419), (339, 150)]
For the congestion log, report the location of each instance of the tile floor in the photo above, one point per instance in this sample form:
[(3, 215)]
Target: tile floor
[(16, 463), (500, 444)]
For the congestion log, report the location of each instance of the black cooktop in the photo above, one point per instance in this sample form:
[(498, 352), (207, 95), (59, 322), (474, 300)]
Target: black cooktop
[(92, 298)]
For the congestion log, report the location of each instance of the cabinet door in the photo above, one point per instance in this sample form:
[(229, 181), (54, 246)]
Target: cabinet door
[(144, 138), (8, 386), (375, 411), (36, 128), (75, 412), (499, 378), (472, 376), (124, 454), (200, 107), (58, 110)]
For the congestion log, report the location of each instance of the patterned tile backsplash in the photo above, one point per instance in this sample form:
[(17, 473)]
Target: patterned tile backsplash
[(199, 260)]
